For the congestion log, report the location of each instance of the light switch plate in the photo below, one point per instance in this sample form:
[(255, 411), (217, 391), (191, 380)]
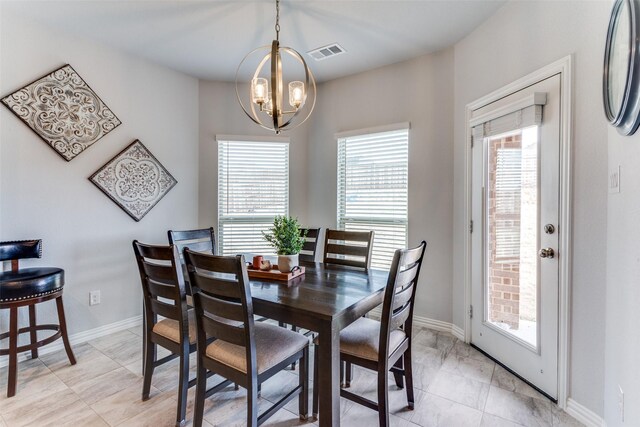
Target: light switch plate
[(614, 180)]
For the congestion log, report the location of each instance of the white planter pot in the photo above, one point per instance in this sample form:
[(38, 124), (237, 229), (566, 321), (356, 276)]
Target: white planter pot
[(287, 262)]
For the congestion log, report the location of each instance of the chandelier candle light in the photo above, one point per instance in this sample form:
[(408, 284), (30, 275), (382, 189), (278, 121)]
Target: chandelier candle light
[(266, 92)]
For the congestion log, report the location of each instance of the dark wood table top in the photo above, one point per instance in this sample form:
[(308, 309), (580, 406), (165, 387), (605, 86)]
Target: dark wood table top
[(324, 292)]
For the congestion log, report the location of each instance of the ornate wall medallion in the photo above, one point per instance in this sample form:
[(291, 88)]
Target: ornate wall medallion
[(63, 110), (134, 179)]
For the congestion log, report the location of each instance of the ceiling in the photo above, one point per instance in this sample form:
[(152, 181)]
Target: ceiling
[(208, 39)]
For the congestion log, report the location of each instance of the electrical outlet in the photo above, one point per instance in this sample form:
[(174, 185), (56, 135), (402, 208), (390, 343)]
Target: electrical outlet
[(614, 180), (621, 403), (94, 297)]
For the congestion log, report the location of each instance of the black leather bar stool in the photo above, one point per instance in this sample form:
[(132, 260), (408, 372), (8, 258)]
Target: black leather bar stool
[(27, 287)]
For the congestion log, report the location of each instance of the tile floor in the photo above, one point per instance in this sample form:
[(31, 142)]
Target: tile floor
[(456, 386)]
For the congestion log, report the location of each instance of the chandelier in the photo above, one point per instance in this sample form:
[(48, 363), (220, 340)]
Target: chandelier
[(266, 89)]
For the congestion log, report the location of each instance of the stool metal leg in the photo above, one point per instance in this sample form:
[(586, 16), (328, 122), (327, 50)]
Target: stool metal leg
[(13, 351), (63, 330), (33, 332)]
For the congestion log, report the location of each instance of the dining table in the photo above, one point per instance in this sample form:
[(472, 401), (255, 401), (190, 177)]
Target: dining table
[(325, 299)]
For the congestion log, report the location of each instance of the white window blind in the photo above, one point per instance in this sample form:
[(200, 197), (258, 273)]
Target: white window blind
[(372, 189), (253, 187), (508, 187)]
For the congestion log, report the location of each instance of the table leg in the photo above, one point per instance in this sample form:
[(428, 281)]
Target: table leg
[(329, 375)]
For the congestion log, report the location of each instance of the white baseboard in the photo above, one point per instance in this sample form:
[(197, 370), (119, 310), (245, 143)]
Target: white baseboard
[(80, 337), (426, 322), (584, 415), (436, 325), (457, 332)]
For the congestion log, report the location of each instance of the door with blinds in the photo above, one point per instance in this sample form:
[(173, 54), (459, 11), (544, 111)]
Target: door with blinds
[(514, 243)]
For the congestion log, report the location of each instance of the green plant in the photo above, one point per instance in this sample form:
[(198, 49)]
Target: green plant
[(285, 236)]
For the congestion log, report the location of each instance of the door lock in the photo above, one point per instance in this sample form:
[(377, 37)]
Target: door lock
[(546, 253), (549, 229)]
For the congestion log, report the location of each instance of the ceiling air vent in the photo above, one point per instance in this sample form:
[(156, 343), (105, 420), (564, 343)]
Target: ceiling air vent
[(325, 52)]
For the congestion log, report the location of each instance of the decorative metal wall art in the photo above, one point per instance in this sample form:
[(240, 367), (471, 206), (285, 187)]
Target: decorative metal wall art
[(64, 111), (134, 179)]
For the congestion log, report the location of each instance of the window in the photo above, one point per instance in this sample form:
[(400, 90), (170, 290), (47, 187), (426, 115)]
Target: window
[(253, 187), (372, 189)]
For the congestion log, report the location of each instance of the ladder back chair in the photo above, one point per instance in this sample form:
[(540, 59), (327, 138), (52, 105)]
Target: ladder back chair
[(164, 293), (200, 240), (350, 248), (26, 287), (385, 345), (308, 252), (244, 352)]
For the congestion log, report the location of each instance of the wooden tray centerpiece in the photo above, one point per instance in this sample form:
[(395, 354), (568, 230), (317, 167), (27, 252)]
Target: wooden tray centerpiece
[(275, 274)]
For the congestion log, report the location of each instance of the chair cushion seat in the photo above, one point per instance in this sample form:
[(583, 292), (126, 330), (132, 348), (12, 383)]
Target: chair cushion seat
[(273, 345), (30, 283), (362, 339), (170, 328)]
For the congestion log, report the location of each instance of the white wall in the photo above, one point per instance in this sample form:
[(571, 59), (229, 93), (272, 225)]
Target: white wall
[(220, 114), (419, 91), (43, 196), (623, 283), (521, 38)]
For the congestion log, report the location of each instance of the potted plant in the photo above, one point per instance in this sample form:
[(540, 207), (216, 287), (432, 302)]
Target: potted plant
[(285, 237)]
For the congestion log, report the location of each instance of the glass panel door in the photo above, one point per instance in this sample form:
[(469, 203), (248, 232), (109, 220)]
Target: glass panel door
[(511, 233)]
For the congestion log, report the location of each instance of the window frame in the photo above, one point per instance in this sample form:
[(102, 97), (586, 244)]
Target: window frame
[(343, 137), (222, 218)]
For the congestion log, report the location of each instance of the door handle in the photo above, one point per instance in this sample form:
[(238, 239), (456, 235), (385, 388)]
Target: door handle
[(546, 253)]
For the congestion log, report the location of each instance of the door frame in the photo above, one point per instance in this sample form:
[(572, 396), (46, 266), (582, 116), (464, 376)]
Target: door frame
[(564, 68)]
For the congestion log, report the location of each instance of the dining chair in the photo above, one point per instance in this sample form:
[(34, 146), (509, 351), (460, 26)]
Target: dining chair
[(165, 295), (350, 248), (244, 351), (384, 345), (353, 249), (199, 240), (308, 252)]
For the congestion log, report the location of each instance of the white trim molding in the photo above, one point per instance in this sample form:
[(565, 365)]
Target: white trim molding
[(562, 67), (426, 322), (81, 337), (584, 415), (457, 332)]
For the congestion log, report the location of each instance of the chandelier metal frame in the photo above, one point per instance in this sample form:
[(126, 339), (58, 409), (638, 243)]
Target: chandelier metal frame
[(272, 104)]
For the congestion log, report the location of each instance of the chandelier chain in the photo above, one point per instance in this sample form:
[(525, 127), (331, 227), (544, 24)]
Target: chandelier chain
[(278, 20)]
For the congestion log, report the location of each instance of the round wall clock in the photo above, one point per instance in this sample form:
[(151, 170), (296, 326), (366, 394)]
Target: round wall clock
[(621, 77)]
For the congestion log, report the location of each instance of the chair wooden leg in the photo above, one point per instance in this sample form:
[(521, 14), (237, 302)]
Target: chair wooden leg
[(252, 404), (33, 333), (63, 329), (183, 386), (303, 378), (201, 389), (348, 372), (383, 398), (316, 382), (397, 375), (13, 351), (341, 374), (408, 375), (294, 328), (147, 365)]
